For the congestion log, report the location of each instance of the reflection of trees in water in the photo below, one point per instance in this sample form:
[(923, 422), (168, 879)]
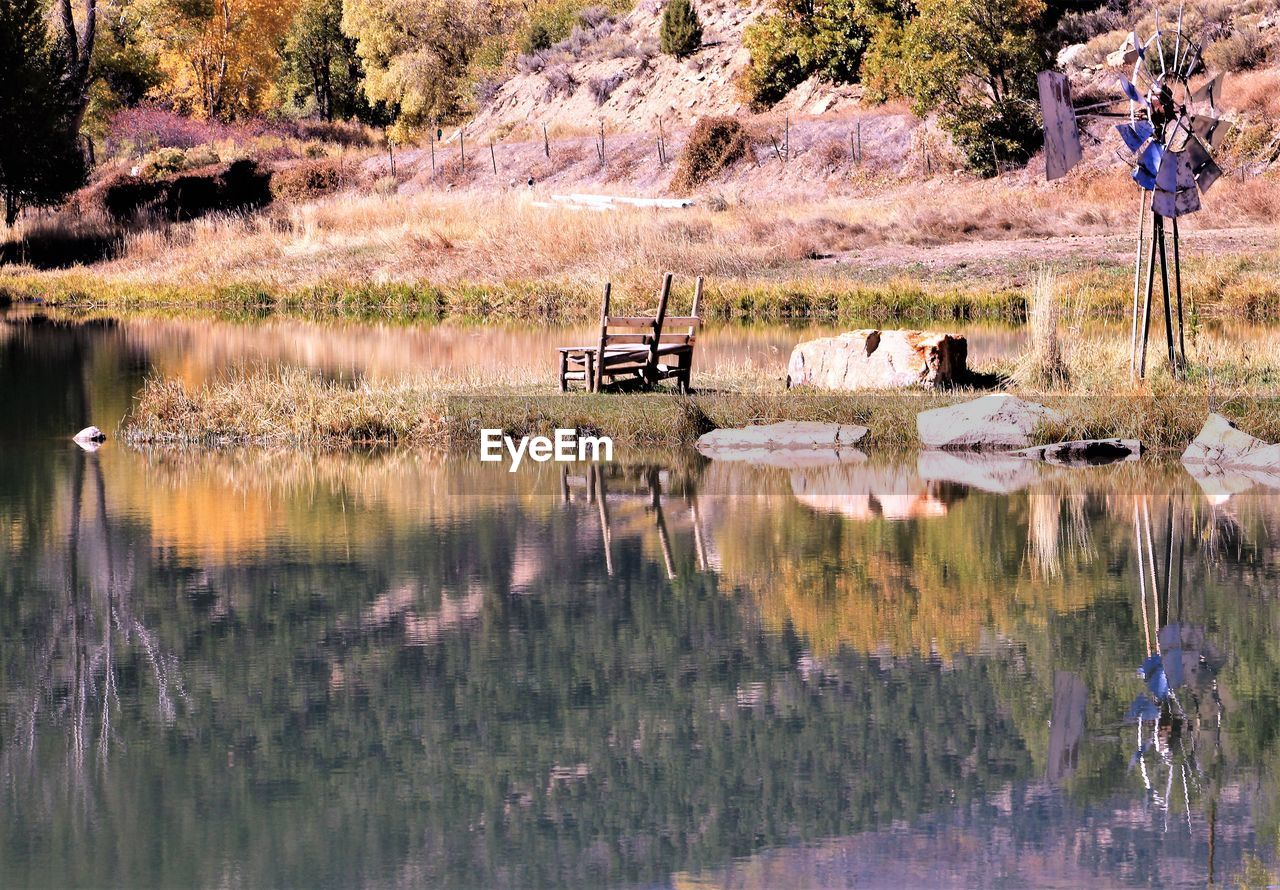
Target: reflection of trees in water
[(81, 640), (457, 690), (574, 727)]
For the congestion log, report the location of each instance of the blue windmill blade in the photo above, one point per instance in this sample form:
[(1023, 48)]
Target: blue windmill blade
[(1139, 50), (1131, 92), (1150, 158), (1135, 135), (1142, 708)]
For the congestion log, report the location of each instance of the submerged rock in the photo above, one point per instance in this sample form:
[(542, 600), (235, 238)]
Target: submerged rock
[(1000, 421), (787, 444), (872, 359), (1084, 452)]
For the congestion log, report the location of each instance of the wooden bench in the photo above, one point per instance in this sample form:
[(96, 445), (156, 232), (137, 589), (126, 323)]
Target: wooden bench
[(635, 348)]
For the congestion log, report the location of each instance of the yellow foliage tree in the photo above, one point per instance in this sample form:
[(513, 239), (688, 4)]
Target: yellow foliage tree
[(218, 58), (416, 52)]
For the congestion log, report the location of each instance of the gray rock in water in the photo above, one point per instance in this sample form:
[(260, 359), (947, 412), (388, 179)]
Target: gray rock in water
[(787, 444), (1084, 452), (1222, 443), (872, 359), (997, 421), (90, 434)]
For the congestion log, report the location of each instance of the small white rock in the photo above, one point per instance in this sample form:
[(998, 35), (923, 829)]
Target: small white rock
[(90, 434)]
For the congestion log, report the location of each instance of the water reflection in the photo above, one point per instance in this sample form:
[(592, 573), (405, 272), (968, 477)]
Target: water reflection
[(250, 668), (330, 669)]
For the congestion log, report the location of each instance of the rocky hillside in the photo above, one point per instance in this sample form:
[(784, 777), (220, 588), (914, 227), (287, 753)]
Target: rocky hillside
[(612, 72)]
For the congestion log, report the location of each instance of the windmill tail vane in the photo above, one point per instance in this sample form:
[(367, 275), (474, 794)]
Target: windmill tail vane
[(1169, 140)]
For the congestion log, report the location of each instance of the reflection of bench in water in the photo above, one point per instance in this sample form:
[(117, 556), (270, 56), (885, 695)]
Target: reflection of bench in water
[(636, 349), (629, 499)]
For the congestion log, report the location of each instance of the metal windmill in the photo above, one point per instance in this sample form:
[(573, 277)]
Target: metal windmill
[(1169, 139)]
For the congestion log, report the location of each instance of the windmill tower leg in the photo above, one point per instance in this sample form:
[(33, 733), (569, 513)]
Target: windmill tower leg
[(1146, 299), (1177, 280), (1137, 284), (1168, 308)]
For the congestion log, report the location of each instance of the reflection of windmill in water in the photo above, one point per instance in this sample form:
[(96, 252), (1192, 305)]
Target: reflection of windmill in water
[(1178, 669), (1170, 136)]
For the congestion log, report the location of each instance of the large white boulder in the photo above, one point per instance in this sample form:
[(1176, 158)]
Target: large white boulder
[(999, 421), (1222, 443), (872, 359), (791, 443)]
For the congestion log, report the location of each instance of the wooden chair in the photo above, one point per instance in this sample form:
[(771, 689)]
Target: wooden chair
[(636, 348), (671, 356), (625, 348)]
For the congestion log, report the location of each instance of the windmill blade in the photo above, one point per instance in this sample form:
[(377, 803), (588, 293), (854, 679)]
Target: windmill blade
[(1131, 92), (1210, 91), (1061, 132), (1177, 46), (1147, 164), (1203, 167), (1175, 192), (1209, 129), (1137, 51), (1159, 46), (1136, 134)]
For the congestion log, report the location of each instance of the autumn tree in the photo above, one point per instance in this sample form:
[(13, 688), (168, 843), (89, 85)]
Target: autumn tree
[(974, 63), (416, 53), (40, 160), (218, 58)]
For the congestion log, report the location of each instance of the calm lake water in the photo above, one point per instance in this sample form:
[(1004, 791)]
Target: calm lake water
[(251, 668)]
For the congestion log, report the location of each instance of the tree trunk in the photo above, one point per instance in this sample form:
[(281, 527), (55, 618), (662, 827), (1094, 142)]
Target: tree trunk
[(10, 208), (79, 53)]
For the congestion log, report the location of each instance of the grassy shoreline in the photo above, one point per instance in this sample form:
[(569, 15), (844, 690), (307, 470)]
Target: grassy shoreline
[(294, 408), (546, 301)]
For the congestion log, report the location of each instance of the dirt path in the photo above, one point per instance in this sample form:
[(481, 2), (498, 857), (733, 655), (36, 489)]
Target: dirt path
[(1015, 255)]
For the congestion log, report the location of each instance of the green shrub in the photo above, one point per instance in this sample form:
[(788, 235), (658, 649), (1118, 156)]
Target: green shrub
[(162, 162), (550, 24), (799, 39), (681, 32), (1244, 48), (776, 67), (714, 144)]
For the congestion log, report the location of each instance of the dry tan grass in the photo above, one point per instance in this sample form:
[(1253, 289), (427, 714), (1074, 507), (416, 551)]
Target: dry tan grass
[(444, 238)]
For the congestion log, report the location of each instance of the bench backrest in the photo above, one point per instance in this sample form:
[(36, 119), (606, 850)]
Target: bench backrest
[(644, 332)]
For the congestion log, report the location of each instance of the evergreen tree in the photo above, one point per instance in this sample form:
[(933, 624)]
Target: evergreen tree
[(40, 157), (681, 32)]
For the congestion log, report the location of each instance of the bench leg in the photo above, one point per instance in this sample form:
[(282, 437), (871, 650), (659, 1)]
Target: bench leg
[(590, 382), (564, 369)]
